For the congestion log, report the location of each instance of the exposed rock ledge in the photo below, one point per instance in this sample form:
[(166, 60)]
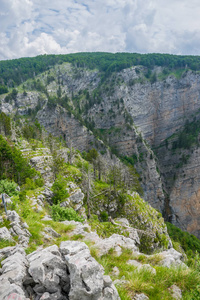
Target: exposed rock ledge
[(68, 272)]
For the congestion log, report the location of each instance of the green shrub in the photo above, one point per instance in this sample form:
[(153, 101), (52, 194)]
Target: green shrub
[(62, 214), (13, 165), (39, 182), (8, 187), (22, 196), (59, 190), (188, 242), (30, 184), (104, 216)]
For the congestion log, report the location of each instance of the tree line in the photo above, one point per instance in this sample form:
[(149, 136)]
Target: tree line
[(14, 72)]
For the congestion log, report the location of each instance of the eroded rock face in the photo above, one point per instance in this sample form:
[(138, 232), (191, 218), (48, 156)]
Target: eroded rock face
[(86, 275), (181, 179), (65, 273), (48, 272), (158, 110), (57, 121), (14, 269), (21, 104), (18, 228), (5, 234)]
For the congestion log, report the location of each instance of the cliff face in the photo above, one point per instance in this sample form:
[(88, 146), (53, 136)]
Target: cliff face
[(180, 169), (59, 122), (133, 115), (160, 110)]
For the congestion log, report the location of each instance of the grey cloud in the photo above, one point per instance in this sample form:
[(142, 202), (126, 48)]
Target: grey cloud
[(32, 27)]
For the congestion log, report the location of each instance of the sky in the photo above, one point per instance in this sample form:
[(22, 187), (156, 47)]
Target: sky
[(33, 27)]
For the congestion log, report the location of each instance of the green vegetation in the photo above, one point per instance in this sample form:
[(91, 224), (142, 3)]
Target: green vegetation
[(62, 214), (13, 71), (188, 136), (13, 165), (5, 124), (59, 189), (3, 89), (32, 131), (4, 243), (8, 187), (189, 243), (155, 286)]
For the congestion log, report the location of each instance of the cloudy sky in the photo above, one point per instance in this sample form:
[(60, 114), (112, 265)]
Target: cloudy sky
[(33, 27)]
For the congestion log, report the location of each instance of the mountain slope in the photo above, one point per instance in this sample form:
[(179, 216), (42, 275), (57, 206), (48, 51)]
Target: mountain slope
[(134, 103)]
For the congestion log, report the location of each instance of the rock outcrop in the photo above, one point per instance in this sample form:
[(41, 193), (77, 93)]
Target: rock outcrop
[(68, 272), (17, 229)]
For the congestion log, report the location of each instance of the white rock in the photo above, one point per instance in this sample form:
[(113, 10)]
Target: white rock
[(52, 232), (115, 241), (172, 257), (13, 216), (14, 268), (11, 291), (77, 197), (115, 271), (176, 292), (5, 234), (134, 262), (140, 297), (8, 251), (141, 267), (86, 275), (123, 221), (47, 268)]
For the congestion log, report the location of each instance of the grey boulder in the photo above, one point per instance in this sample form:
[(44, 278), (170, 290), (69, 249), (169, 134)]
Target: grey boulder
[(86, 274)]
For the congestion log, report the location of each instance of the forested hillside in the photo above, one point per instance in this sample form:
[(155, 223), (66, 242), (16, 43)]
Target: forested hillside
[(14, 72)]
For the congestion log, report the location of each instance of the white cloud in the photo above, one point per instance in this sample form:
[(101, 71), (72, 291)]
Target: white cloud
[(32, 27)]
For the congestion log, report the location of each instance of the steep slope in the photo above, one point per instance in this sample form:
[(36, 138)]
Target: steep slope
[(133, 109), (62, 265)]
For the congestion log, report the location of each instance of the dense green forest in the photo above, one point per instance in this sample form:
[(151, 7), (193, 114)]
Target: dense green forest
[(14, 72)]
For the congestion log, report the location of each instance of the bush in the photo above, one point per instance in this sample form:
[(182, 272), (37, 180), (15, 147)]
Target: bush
[(62, 214), (188, 242), (22, 196), (13, 165), (59, 190), (8, 187), (104, 216), (30, 184), (39, 182)]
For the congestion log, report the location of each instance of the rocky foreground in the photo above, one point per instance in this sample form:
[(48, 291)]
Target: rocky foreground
[(69, 271)]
